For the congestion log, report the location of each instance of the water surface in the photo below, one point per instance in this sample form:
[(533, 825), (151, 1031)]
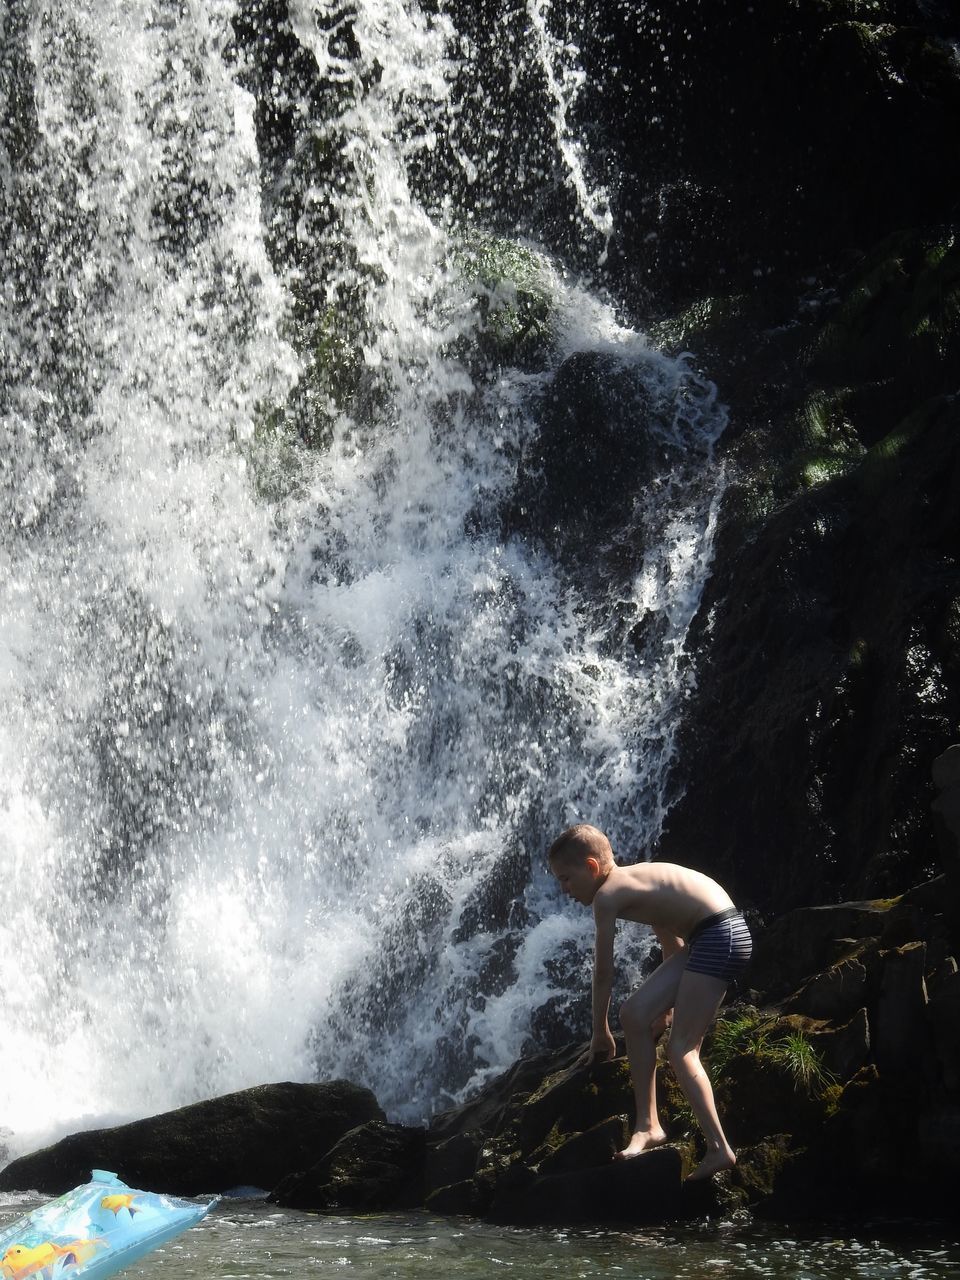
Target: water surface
[(253, 1241)]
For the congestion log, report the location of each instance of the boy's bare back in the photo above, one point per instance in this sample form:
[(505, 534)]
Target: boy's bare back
[(669, 898)]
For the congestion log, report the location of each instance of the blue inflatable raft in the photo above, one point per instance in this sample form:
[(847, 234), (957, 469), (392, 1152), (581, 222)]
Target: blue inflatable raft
[(93, 1231)]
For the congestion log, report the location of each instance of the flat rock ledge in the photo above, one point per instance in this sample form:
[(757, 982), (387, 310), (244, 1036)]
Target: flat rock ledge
[(836, 1069)]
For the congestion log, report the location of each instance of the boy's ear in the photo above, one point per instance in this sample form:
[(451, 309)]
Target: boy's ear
[(594, 865)]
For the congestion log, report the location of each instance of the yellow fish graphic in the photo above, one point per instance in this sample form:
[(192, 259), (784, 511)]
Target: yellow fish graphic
[(21, 1260), (120, 1201)]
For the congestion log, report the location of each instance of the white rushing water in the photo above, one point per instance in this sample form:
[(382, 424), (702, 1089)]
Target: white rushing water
[(285, 731)]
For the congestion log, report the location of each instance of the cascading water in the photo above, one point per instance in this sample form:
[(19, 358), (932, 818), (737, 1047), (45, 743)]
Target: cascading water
[(286, 728)]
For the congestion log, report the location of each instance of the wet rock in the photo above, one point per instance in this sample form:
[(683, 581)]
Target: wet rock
[(251, 1138), (644, 1190), (943, 1012), (491, 905), (938, 1141), (758, 1167), (453, 1160), (878, 1153), (596, 1146), (468, 1198), (851, 1109), (406, 955), (946, 818), (946, 769), (901, 1047), (843, 1049), (805, 941), (574, 1100), (829, 644), (839, 991), (490, 1111), (375, 1167), (757, 1097), (602, 439)]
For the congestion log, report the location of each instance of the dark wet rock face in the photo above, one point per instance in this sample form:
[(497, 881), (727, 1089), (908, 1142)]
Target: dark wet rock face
[(598, 446), (374, 1167), (829, 674), (780, 134), (250, 1138)]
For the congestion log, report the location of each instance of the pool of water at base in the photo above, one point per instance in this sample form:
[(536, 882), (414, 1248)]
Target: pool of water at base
[(251, 1240)]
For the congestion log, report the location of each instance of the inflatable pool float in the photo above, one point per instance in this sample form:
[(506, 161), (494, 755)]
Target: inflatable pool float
[(93, 1231)]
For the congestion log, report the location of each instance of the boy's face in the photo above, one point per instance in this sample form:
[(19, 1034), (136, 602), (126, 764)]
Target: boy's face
[(578, 880)]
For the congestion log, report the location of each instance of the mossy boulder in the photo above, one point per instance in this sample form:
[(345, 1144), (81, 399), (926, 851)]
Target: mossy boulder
[(373, 1168), (516, 300), (593, 1147), (757, 1094), (572, 1101)]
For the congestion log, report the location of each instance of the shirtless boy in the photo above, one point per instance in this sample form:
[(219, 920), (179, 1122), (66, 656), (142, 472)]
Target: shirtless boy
[(705, 944)]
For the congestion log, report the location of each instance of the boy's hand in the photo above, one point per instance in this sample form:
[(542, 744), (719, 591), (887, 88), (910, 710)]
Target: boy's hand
[(602, 1049)]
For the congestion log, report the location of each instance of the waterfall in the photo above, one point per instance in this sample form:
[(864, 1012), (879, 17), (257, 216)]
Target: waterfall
[(289, 721)]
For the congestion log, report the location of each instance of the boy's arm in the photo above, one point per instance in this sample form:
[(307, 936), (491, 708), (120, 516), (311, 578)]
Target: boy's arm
[(602, 1043), (670, 943)]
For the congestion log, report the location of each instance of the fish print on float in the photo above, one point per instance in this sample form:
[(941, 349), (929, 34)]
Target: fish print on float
[(87, 1234)]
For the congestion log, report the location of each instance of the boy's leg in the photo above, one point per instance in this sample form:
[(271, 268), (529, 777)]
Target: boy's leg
[(697, 1001), (641, 1016)]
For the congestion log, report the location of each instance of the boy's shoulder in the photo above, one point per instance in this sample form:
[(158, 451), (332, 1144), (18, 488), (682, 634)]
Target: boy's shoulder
[(625, 884), (639, 875)]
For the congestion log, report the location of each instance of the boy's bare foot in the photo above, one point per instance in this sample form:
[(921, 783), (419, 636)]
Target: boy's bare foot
[(713, 1162), (641, 1142)]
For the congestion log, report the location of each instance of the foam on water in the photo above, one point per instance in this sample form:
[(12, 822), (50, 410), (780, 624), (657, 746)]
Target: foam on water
[(276, 773)]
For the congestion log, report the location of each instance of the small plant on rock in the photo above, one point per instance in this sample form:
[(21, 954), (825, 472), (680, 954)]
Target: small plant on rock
[(751, 1033)]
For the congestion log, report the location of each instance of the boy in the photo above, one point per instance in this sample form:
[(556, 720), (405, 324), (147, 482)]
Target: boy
[(705, 944)]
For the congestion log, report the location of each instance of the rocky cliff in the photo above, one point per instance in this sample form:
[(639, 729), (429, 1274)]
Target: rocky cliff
[(784, 184)]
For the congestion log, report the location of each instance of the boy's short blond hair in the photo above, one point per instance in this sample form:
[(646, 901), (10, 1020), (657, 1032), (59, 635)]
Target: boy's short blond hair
[(580, 842)]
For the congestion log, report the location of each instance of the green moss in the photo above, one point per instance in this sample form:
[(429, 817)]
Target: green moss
[(831, 1098), (711, 321), (857, 655), (827, 443), (514, 292), (328, 345), (826, 424), (274, 454), (818, 470), (884, 462), (902, 304), (335, 358), (753, 497)]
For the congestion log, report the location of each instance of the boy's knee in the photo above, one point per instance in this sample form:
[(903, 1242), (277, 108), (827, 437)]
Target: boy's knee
[(678, 1049), (635, 1017)]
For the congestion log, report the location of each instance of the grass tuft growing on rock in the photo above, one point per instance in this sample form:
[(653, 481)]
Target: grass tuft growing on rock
[(753, 1034)]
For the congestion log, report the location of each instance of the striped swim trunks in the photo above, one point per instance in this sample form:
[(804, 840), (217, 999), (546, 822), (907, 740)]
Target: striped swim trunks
[(720, 945)]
